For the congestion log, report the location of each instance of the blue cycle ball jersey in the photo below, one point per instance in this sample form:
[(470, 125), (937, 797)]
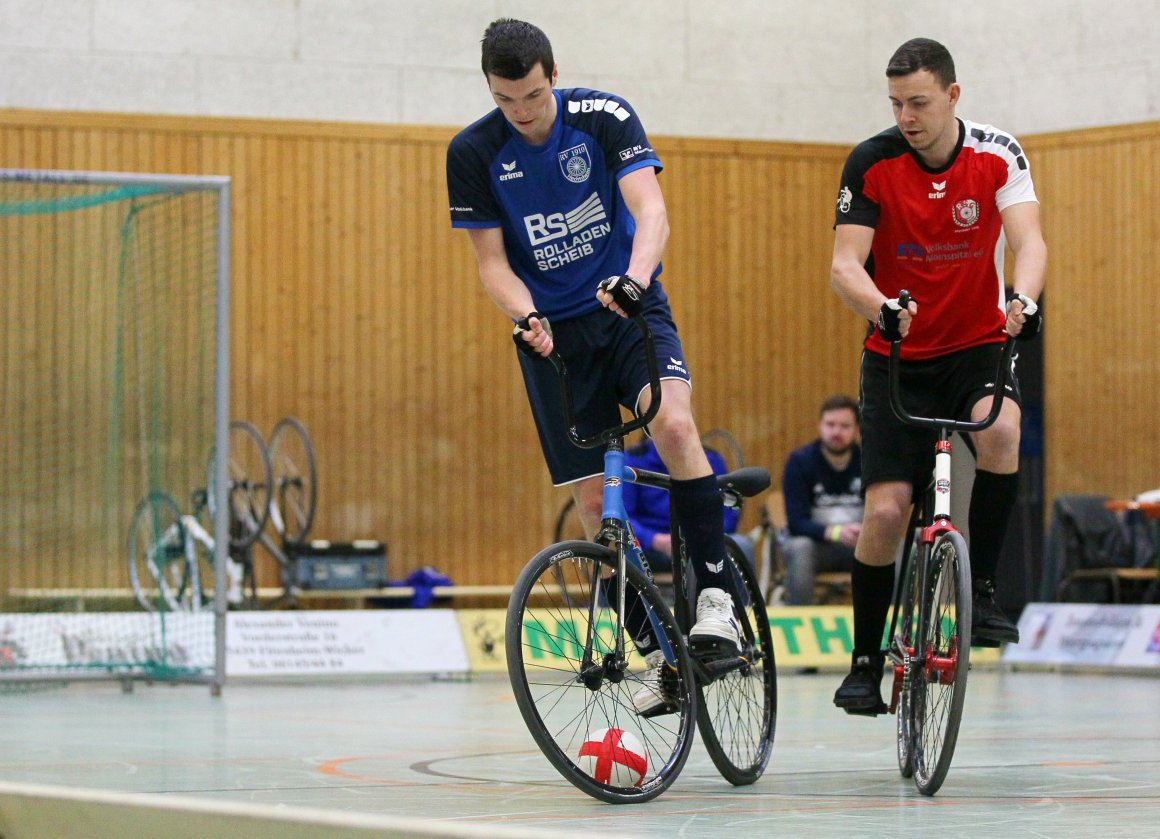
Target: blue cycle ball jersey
[(565, 223)]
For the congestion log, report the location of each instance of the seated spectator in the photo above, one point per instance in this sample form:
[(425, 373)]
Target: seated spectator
[(648, 507), (822, 483)]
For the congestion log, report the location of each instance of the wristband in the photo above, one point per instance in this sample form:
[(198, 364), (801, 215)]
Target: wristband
[(888, 317), (626, 292), (521, 325), (834, 533), (1032, 317)]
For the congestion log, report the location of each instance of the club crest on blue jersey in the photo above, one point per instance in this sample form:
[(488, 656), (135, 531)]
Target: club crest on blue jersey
[(575, 163)]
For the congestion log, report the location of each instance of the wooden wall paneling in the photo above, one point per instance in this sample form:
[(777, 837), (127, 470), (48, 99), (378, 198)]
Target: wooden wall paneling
[(1102, 369), (357, 309)]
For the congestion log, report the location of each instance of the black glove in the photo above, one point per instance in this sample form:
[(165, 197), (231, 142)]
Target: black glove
[(522, 325), (1032, 318), (626, 292), (888, 320)]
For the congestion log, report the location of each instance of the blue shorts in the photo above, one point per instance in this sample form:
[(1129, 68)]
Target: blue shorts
[(604, 354)]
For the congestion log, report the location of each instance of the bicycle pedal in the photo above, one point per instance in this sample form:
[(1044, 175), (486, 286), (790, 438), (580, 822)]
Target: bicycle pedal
[(867, 712), (659, 711), (984, 642), (723, 666), (708, 649)]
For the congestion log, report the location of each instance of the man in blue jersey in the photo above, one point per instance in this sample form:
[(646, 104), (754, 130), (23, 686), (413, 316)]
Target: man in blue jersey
[(822, 483), (558, 192)]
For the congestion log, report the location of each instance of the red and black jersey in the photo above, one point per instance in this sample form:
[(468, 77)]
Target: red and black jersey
[(938, 232)]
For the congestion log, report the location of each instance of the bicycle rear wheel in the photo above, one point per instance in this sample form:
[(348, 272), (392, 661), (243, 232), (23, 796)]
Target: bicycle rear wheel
[(901, 654), (940, 684), (737, 711), (572, 685)]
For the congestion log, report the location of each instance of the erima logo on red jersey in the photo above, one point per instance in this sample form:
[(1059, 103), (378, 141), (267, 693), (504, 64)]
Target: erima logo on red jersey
[(940, 189)]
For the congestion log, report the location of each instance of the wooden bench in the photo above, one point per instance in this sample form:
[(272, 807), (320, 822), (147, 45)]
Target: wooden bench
[(829, 586), (81, 598)]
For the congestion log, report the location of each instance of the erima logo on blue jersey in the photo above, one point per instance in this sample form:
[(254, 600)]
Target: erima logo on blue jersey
[(509, 171)]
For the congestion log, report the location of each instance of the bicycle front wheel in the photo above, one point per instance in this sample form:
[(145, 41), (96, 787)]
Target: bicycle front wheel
[(159, 568), (737, 710), (940, 686), (574, 672), (901, 655)]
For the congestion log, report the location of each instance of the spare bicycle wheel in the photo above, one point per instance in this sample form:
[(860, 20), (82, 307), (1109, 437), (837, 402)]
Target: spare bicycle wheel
[(295, 481)]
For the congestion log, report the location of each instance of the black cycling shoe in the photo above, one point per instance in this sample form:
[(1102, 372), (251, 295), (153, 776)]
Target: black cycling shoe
[(989, 626), (860, 692)]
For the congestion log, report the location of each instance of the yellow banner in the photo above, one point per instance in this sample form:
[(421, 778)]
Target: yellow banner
[(803, 636)]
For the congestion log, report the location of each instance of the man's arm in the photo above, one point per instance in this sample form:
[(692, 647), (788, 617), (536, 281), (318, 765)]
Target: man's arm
[(502, 285), (642, 194), (643, 197), (796, 487), (1025, 236), (848, 277)]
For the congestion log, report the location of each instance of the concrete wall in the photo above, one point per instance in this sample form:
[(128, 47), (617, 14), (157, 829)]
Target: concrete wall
[(804, 70)]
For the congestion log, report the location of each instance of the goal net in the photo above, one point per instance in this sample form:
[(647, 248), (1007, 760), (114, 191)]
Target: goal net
[(113, 353)]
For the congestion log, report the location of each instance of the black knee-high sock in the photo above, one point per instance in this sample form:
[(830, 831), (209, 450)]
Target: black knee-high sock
[(992, 501), (872, 589), (700, 514)]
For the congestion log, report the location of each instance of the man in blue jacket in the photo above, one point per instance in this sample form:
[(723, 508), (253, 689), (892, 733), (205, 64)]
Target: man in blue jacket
[(822, 483)]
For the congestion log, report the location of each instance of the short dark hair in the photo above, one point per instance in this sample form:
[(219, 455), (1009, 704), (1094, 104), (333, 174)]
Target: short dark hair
[(923, 54), (841, 402), (511, 48)]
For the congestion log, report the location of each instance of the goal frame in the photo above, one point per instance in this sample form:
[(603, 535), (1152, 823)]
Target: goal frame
[(219, 184)]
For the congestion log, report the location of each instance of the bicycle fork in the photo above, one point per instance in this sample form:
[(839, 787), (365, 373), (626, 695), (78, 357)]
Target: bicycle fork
[(917, 659)]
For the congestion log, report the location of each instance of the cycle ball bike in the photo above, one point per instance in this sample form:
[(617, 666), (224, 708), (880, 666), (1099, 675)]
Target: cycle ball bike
[(930, 628), (572, 659), (170, 553)]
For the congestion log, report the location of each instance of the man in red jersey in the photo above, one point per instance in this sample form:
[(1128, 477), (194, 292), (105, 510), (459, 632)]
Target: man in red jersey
[(925, 206)]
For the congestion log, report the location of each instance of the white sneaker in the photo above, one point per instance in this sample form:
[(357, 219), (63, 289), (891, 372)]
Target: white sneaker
[(716, 627), (652, 699)]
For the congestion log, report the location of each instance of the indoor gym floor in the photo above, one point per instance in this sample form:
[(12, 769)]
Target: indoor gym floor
[(1041, 754)]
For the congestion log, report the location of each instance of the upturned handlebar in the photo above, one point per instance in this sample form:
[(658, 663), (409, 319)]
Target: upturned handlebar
[(1002, 375), (625, 428)]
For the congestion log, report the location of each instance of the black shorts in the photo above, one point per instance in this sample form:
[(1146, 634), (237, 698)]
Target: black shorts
[(944, 387), (604, 354)]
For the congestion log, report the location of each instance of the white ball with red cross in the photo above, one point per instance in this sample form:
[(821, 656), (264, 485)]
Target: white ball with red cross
[(614, 756)]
